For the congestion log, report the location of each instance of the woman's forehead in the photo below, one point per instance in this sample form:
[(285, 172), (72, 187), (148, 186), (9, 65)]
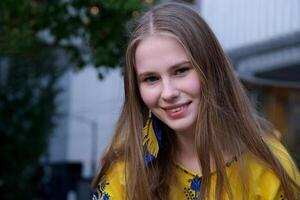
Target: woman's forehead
[(159, 51)]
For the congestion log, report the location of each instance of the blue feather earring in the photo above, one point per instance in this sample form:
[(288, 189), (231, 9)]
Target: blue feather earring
[(152, 138)]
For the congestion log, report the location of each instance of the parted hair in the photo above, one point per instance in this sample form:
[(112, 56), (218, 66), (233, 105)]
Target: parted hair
[(226, 121)]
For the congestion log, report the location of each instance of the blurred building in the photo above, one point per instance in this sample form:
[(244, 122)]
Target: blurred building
[(89, 108)]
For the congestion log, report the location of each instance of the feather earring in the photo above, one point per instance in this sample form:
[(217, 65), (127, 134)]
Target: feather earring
[(151, 138)]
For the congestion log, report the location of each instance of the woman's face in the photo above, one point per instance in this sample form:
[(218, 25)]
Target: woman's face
[(169, 85)]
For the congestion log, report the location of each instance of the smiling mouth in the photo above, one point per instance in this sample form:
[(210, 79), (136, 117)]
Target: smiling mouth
[(176, 108)]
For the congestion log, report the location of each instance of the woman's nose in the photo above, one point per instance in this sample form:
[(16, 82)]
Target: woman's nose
[(169, 90)]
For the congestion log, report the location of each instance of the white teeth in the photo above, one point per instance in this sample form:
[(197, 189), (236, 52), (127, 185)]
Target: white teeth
[(175, 109)]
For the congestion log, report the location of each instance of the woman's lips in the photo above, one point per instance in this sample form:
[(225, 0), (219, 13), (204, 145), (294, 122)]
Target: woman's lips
[(176, 111)]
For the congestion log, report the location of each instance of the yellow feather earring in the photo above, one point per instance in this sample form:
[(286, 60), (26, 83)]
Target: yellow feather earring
[(151, 139)]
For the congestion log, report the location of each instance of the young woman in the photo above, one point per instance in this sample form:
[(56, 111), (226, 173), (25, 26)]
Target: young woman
[(187, 130)]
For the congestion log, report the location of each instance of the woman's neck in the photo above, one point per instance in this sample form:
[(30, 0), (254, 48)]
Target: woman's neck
[(186, 153)]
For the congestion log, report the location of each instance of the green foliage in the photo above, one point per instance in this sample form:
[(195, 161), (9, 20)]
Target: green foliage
[(92, 31), (28, 89)]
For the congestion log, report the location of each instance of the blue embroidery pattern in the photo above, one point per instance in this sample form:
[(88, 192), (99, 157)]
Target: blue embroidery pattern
[(193, 192), (195, 186), (100, 193)]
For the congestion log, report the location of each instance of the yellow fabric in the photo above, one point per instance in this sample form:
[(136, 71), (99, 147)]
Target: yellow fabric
[(262, 182)]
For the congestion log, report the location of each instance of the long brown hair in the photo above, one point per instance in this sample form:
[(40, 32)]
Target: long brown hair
[(225, 122)]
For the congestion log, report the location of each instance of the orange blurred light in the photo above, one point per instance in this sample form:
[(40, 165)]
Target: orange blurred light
[(148, 1), (135, 13), (94, 10)]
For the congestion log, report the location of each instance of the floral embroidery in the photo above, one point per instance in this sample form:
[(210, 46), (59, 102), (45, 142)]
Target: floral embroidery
[(188, 193), (192, 186), (195, 183), (193, 192), (195, 186), (100, 193)]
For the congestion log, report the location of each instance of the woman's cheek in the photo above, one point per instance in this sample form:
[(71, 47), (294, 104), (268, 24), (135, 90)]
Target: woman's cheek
[(150, 96)]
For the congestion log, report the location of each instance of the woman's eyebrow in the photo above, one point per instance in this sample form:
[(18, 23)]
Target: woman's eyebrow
[(149, 73), (179, 64), (145, 74)]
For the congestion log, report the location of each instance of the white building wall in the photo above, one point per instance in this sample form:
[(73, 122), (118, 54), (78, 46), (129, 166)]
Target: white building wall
[(92, 100), (86, 100), (240, 22), (57, 144)]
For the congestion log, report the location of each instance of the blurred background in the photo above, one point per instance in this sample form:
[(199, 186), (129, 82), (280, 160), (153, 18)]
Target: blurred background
[(61, 82)]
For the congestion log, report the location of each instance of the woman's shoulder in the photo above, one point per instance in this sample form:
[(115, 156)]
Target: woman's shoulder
[(283, 156), (117, 167), (258, 177), (111, 185), (261, 172)]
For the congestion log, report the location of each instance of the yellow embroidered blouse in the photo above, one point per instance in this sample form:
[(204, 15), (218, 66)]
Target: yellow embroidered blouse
[(263, 183)]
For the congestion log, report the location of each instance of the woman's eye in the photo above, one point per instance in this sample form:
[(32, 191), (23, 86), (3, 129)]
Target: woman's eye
[(182, 70), (150, 79)]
